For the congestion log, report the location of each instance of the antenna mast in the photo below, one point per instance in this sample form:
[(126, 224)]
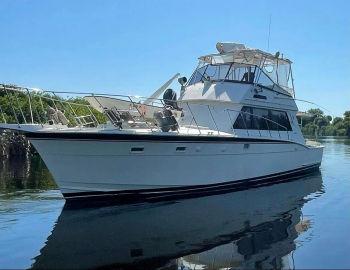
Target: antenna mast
[(268, 38)]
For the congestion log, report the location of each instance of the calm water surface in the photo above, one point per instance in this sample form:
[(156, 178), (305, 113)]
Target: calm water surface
[(299, 224)]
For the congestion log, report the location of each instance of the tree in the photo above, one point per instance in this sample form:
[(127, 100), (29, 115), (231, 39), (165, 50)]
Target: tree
[(319, 124), (315, 112), (347, 123), (347, 114), (337, 120)]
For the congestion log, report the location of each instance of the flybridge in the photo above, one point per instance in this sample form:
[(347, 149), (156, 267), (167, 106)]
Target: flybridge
[(234, 60)]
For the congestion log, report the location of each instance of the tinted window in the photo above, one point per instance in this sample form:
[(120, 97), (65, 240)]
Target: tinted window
[(262, 119), (262, 122), (239, 124), (280, 120)]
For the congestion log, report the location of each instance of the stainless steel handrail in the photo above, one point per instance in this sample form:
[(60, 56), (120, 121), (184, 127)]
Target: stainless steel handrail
[(184, 104), (14, 92)]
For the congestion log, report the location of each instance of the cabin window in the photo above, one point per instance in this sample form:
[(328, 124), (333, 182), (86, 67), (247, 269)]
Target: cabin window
[(262, 119), (244, 119)]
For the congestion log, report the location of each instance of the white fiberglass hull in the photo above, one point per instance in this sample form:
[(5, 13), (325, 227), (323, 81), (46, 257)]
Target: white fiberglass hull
[(91, 166)]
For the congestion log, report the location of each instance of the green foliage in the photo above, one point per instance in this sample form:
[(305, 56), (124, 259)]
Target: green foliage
[(315, 112), (337, 120), (85, 110), (322, 125), (15, 108), (347, 115)]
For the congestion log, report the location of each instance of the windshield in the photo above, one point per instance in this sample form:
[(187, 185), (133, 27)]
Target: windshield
[(230, 72), (268, 76)]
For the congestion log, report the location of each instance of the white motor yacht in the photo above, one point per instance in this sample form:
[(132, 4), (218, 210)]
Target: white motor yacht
[(234, 124)]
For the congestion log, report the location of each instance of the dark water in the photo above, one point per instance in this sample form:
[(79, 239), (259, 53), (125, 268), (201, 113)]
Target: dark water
[(299, 224)]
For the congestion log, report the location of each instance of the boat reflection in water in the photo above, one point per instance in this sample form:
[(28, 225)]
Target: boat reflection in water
[(245, 229)]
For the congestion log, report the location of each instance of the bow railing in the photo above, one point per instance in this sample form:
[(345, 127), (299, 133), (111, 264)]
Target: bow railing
[(21, 105)]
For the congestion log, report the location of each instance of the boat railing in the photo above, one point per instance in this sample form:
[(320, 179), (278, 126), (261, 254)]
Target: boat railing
[(21, 105)]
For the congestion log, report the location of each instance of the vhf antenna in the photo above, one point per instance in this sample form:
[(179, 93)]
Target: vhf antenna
[(268, 38)]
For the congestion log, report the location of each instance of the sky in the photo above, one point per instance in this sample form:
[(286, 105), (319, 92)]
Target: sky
[(133, 47)]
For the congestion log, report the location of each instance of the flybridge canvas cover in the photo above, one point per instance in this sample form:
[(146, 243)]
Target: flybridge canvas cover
[(239, 53)]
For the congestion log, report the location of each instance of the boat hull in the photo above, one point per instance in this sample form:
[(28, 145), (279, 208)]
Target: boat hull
[(134, 165)]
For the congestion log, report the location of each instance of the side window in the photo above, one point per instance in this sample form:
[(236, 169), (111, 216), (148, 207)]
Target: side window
[(261, 116), (262, 119), (274, 123), (239, 123), (282, 119), (244, 119)]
